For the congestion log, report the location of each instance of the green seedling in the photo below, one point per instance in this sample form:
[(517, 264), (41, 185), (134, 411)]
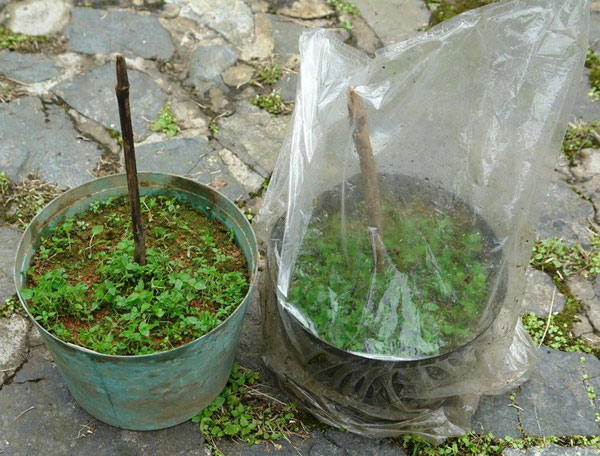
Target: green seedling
[(242, 413), (271, 102), (20, 202), (84, 286), (20, 42), (269, 74), (433, 287), (344, 7), (580, 136), (166, 122)]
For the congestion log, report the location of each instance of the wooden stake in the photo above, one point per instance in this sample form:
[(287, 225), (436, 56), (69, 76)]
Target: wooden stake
[(360, 135), (122, 89)]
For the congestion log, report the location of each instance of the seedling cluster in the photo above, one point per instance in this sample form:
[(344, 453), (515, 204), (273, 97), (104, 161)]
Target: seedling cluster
[(435, 266), (84, 286)]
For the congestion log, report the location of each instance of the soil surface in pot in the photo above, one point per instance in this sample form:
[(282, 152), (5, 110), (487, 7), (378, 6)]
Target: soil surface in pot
[(440, 265), (84, 287)]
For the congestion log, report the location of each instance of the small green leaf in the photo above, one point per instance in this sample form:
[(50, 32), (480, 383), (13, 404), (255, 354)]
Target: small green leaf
[(97, 229), (231, 429), (144, 329)]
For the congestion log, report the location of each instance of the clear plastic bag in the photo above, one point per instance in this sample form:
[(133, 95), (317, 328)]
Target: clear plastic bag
[(392, 306)]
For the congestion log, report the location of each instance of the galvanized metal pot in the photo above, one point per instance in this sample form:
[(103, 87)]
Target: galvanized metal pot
[(363, 394), (154, 391)]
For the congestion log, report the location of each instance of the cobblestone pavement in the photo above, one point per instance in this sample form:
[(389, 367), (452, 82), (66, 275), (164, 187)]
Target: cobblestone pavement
[(203, 59)]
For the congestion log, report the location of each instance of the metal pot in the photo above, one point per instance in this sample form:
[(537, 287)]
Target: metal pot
[(159, 390), (366, 391)]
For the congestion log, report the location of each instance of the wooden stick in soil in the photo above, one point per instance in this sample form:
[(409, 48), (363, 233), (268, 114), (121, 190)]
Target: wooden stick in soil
[(122, 89), (368, 169)]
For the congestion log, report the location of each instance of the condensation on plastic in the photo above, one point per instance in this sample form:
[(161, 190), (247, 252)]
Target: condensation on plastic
[(477, 108)]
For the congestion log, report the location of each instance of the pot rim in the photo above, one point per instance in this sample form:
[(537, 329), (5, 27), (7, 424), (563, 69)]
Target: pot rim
[(141, 175)]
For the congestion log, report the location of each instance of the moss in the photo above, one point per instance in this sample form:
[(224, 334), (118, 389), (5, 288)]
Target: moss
[(442, 10), (270, 102), (20, 42), (594, 78), (114, 134), (580, 136), (591, 58), (20, 202), (472, 444)]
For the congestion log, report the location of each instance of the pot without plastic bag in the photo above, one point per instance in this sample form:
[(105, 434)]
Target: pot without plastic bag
[(391, 305)]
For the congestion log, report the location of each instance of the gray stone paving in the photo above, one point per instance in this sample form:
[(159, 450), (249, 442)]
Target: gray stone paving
[(9, 239), (551, 450), (40, 138), (93, 95), (562, 213), (539, 294), (38, 17), (258, 144), (554, 401), (201, 57), (194, 158), (27, 68), (93, 31), (206, 66)]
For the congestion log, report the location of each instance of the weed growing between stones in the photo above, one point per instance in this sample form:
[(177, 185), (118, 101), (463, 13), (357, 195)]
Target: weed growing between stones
[(442, 10), (9, 307), (557, 336), (213, 126), (591, 392), (116, 135), (166, 122), (270, 102), (9, 90), (20, 42), (242, 412), (580, 136), (472, 444), (84, 286), (593, 63), (342, 7), (269, 74), (20, 202), (554, 255)]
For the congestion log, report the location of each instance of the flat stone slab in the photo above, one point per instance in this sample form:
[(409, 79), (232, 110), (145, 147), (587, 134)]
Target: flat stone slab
[(539, 293), (93, 95), (586, 107), (554, 401), (551, 450), (564, 215), (13, 338), (285, 35), (38, 17), (57, 425), (207, 64), (394, 20), (94, 31), (233, 19), (496, 414), (286, 86), (38, 138), (254, 136), (305, 9), (28, 68), (190, 157), (9, 240)]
